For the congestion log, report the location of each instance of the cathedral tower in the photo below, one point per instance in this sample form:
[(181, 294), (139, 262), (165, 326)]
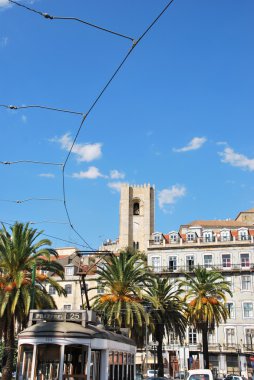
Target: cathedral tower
[(136, 216)]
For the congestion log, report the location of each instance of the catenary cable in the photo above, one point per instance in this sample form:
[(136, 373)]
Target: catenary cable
[(31, 199), (115, 73), (135, 43), (50, 17), (14, 107), (50, 236), (30, 162)]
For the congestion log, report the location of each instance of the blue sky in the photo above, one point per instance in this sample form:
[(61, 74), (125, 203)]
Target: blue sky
[(179, 115)]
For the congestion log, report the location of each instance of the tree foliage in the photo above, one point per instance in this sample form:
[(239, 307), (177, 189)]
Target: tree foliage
[(21, 253), (206, 300)]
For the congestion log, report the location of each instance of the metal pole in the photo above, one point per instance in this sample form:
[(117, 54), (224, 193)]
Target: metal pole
[(154, 347), (146, 362), (33, 286)]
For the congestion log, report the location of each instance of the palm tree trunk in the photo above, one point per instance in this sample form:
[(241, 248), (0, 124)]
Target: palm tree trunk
[(9, 350), (159, 338), (205, 345)]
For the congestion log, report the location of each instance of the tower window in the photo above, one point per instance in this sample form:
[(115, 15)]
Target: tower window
[(136, 208)]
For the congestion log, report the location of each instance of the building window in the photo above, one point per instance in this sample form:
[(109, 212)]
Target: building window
[(229, 279), (245, 261), (243, 234), (189, 263), (100, 290), (172, 337), (156, 263), (208, 261), (173, 238), (68, 288), (136, 245), (67, 307), (157, 239), (246, 282), (207, 236), (212, 337), (192, 336), (69, 271), (136, 210), (230, 336), (52, 290), (225, 235), (247, 309), (249, 338), (226, 261), (172, 263), (231, 309), (190, 237)]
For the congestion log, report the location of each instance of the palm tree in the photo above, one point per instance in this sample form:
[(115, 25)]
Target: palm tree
[(206, 294), (123, 277), (20, 255), (166, 314)]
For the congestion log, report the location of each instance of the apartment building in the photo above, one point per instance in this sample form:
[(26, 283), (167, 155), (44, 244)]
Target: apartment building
[(228, 246)]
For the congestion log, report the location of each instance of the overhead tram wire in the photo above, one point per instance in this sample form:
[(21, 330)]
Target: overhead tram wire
[(31, 199), (51, 236), (14, 107), (50, 17), (30, 162), (135, 43)]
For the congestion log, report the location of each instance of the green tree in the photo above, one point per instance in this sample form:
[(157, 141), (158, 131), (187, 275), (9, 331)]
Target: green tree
[(20, 255), (123, 278), (206, 297), (166, 313)]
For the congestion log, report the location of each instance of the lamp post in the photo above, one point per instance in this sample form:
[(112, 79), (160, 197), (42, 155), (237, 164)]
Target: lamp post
[(238, 350), (147, 309), (155, 345), (146, 362)]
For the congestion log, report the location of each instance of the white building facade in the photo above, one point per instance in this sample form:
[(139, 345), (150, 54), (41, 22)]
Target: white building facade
[(227, 246)]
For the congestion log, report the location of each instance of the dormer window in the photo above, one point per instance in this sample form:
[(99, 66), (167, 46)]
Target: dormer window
[(157, 239), (207, 236), (243, 234), (190, 236), (69, 270), (173, 238), (136, 210), (225, 235)]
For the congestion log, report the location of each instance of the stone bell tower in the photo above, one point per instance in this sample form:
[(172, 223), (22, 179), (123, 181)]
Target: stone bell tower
[(136, 216)]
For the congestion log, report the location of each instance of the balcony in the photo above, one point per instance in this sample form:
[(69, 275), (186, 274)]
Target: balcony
[(189, 268), (248, 348), (203, 241)]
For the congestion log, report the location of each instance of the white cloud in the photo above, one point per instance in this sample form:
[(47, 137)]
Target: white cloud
[(47, 175), (4, 3), (229, 156), (115, 185), (170, 196), (91, 173), (84, 152), (222, 143), (24, 119), (194, 144), (3, 40), (115, 174)]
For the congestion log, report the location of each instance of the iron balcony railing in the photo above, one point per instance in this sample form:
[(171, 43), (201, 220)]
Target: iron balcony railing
[(202, 240), (190, 268)]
